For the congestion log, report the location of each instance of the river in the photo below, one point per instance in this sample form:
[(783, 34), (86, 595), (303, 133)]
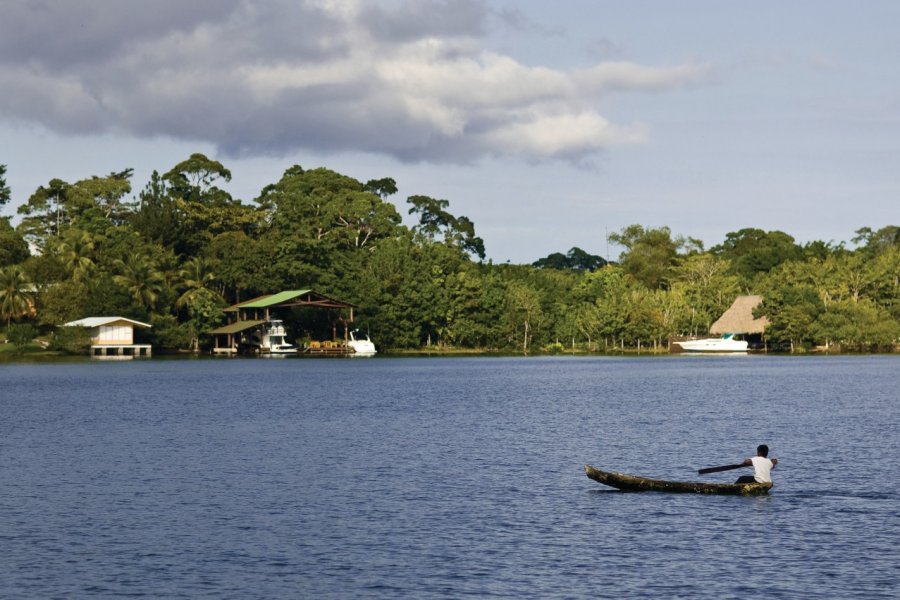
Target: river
[(446, 477)]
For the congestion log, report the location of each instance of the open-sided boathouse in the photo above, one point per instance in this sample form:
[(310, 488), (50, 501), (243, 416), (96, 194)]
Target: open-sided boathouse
[(245, 317)]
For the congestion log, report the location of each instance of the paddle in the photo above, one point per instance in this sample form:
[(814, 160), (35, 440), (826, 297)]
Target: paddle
[(717, 469)]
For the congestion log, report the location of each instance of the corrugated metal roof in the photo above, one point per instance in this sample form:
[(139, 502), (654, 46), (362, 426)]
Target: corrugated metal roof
[(272, 300), (236, 327), (99, 321)]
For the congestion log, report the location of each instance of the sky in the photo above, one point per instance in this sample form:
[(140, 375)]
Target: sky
[(548, 124)]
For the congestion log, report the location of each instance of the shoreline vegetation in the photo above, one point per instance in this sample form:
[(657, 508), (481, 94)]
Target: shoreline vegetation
[(36, 352), (182, 249)]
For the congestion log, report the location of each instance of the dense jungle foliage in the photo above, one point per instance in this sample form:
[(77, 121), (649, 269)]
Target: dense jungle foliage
[(184, 249)]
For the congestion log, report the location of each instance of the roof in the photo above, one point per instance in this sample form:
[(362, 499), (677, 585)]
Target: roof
[(739, 317), (100, 321), (236, 327), (271, 300), (290, 298)]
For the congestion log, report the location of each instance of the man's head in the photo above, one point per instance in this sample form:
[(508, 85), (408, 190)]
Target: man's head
[(762, 450)]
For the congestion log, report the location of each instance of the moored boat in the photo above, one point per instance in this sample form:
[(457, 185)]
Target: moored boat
[(271, 338), (360, 346), (726, 343), (633, 483)]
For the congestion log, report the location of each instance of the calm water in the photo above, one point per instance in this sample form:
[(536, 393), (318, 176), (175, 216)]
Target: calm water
[(434, 478)]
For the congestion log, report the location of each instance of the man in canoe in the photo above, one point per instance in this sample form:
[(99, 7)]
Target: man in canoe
[(762, 466)]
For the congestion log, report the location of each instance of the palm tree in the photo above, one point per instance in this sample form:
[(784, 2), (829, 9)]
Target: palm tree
[(140, 277), (15, 297), (195, 275), (75, 249)]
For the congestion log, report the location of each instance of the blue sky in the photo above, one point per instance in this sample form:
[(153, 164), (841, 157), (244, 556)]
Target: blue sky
[(547, 124)]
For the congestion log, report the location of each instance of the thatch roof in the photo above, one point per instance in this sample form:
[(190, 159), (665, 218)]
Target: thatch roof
[(739, 318)]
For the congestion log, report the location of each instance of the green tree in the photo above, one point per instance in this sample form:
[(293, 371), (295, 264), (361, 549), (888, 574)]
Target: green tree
[(575, 259), (435, 221), (45, 212), (15, 294), (4, 189), (202, 305), (105, 195), (140, 277), (75, 249), (708, 288), (859, 325), (204, 209), (651, 254), (21, 334), (523, 312), (193, 179), (13, 247), (94, 205), (157, 217), (791, 308), (754, 251), (383, 187), (71, 340), (328, 208), (875, 242)]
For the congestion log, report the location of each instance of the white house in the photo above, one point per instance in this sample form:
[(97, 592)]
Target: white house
[(113, 336)]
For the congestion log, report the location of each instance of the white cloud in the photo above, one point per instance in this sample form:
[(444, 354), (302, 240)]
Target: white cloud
[(413, 81)]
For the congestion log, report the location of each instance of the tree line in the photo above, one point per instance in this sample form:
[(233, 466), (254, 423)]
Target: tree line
[(183, 249)]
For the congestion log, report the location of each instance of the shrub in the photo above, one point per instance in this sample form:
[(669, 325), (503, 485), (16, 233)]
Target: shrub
[(21, 334), (71, 340)]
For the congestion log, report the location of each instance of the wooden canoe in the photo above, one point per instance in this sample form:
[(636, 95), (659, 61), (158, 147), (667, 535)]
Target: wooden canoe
[(632, 483)]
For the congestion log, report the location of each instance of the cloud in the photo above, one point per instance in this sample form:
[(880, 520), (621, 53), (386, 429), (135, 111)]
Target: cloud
[(413, 80)]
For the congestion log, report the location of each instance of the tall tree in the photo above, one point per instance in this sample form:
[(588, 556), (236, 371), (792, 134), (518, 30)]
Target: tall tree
[(435, 221), (76, 251), (4, 189), (15, 293), (575, 259), (753, 251), (45, 213), (315, 215), (523, 310), (383, 187), (140, 277), (204, 209), (193, 179), (708, 288), (651, 254), (13, 247), (875, 242), (157, 216)]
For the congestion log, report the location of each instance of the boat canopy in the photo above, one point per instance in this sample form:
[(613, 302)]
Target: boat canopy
[(290, 298), (236, 327)]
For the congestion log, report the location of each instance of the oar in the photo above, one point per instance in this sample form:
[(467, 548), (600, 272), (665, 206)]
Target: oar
[(717, 469)]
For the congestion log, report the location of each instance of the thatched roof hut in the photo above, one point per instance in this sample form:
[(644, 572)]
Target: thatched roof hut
[(739, 318)]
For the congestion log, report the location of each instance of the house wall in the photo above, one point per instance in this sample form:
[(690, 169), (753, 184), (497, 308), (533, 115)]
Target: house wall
[(114, 334)]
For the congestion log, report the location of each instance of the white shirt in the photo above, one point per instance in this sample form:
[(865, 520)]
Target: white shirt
[(762, 468)]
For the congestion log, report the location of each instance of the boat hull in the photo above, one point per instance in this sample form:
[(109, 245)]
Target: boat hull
[(632, 483), (713, 345), (361, 346)]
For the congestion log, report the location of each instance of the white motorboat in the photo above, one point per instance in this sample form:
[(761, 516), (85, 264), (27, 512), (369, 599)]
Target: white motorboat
[(726, 343), (360, 346), (271, 338)]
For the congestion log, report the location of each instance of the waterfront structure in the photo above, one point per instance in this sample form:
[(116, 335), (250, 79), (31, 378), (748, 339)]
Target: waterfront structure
[(113, 336), (247, 320), (739, 318)]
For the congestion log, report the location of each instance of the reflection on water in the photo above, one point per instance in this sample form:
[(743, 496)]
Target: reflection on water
[(434, 477)]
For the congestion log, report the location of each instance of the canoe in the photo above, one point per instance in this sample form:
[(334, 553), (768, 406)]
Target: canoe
[(632, 483)]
